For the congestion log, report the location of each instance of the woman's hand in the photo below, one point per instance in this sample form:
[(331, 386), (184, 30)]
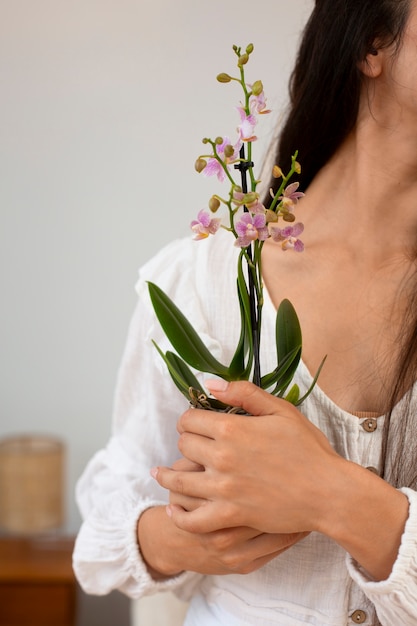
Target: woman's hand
[(225, 551), (275, 471), (185, 502), (168, 550), (272, 470)]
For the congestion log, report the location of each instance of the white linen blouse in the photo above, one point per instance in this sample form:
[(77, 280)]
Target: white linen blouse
[(315, 582)]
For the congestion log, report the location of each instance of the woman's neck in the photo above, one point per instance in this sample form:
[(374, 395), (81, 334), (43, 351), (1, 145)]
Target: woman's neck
[(366, 195)]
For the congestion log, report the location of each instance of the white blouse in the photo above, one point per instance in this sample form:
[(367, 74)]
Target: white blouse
[(315, 582)]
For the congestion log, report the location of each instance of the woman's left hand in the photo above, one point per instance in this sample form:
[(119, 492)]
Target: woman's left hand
[(272, 470)]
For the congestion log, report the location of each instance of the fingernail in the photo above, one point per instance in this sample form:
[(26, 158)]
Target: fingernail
[(154, 472), (216, 384)]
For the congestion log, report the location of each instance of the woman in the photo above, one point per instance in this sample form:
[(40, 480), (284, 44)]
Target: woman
[(295, 501)]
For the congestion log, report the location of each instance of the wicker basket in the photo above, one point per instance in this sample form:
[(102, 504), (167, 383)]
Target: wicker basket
[(31, 484)]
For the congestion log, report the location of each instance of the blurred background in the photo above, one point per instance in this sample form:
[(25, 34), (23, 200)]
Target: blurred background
[(103, 107)]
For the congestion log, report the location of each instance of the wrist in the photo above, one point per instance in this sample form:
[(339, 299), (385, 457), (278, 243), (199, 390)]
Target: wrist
[(153, 541), (366, 517)]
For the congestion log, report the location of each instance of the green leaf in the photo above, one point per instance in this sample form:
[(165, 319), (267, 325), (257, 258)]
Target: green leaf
[(284, 381), (237, 368), (182, 335), (288, 330), (184, 378), (288, 340), (310, 389), (244, 296), (293, 395), (179, 371), (280, 373)]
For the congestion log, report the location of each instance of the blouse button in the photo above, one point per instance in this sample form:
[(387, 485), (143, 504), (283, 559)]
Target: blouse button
[(370, 425), (358, 617)]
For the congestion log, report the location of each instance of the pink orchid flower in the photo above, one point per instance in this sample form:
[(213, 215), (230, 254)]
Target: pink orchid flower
[(247, 125), (255, 207), (204, 225), (288, 236), (249, 228), (291, 196), (214, 168), (257, 104)]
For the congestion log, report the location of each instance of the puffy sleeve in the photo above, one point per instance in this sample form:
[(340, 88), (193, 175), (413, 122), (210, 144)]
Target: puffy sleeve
[(395, 599), (116, 486)]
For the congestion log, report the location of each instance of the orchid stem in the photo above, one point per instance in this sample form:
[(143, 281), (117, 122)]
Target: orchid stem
[(243, 166)]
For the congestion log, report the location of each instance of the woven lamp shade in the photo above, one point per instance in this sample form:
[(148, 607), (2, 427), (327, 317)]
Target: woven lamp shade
[(31, 484)]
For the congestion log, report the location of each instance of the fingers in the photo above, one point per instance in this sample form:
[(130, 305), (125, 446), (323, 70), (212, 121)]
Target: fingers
[(243, 394), (191, 484), (206, 519), (246, 395), (185, 502), (186, 465)]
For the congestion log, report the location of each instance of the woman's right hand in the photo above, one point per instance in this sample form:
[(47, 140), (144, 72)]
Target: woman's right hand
[(168, 550)]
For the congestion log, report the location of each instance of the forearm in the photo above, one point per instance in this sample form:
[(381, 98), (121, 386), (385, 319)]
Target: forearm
[(159, 542), (366, 516)]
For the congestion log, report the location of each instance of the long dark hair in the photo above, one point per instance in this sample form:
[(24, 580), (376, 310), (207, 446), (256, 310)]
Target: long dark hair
[(326, 82), (325, 90)]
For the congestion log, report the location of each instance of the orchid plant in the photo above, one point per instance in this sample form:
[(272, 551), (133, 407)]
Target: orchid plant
[(251, 223)]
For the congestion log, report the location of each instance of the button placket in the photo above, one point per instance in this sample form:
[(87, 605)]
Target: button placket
[(370, 425)]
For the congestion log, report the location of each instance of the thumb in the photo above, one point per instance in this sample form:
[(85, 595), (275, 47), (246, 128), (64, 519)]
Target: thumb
[(246, 395)]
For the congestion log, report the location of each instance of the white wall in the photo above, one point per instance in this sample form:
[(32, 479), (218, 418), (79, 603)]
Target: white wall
[(103, 107)]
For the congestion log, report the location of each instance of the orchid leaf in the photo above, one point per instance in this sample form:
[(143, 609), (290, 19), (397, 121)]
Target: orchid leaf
[(237, 364), (179, 371), (280, 374), (185, 380), (182, 335), (288, 330), (288, 338), (313, 384), (293, 395), (237, 368)]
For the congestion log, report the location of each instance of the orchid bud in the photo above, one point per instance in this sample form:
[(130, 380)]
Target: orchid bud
[(224, 78), (229, 151), (288, 217), (249, 48), (297, 167), (250, 198), (276, 171), (214, 204), (205, 140), (243, 59), (257, 88), (218, 141), (271, 216), (200, 164)]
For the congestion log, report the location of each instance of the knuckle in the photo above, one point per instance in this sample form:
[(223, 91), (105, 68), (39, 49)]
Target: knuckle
[(223, 459), (183, 441), (222, 541), (231, 562), (226, 426), (246, 389)]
